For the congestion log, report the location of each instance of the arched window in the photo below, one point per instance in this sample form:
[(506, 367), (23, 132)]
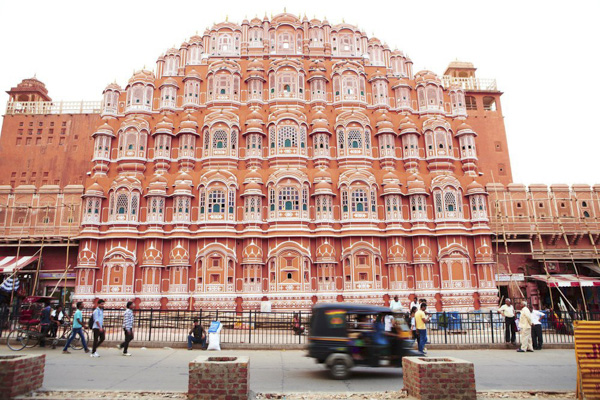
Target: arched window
[(255, 37), (194, 54), (448, 204), (285, 43), (418, 209), (216, 201), (225, 43), (122, 204)]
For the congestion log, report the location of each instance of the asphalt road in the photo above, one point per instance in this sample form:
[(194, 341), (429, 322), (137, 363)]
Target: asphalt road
[(290, 371)]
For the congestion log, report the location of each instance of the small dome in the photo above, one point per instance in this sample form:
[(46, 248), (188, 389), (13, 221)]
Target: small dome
[(113, 87), (416, 185), (252, 254), (193, 74), (196, 39), (464, 129), (408, 126), (152, 256), (326, 253), (158, 179), (426, 76), (390, 176), (322, 174), (253, 175), (256, 65), (475, 188), (87, 258), (397, 253), (422, 254), (169, 82), (323, 186), (384, 123), (94, 190), (179, 256), (188, 124), (165, 125), (143, 76), (104, 129)]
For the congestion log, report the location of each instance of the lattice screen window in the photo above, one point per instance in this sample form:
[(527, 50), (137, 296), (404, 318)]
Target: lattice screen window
[(355, 139), (216, 201), (359, 200), (289, 199), (231, 201), (287, 137), (450, 201), (122, 204), (220, 139)]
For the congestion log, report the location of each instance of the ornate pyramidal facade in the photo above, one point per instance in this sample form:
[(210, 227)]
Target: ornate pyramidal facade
[(295, 161)]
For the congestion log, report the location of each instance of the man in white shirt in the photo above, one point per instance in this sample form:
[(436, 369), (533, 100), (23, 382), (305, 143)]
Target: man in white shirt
[(508, 311), (395, 305), (536, 328), (525, 328), (414, 303)]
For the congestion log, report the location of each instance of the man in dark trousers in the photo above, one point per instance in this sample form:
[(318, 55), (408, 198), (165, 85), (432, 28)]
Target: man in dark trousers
[(45, 322), (127, 328), (508, 311), (197, 335), (98, 327)]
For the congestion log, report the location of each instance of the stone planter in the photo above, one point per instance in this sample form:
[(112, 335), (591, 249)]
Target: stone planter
[(439, 378), (214, 377), (20, 374)]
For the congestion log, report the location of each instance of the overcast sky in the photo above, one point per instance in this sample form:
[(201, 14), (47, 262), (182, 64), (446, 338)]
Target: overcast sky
[(544, 55)]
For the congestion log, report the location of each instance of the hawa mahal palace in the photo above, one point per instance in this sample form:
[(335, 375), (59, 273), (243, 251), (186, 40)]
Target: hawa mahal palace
[(282, 159)]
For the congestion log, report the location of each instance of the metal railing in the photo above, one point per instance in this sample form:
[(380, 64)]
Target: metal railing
[(278, 328), (53, 107), (470, 83)]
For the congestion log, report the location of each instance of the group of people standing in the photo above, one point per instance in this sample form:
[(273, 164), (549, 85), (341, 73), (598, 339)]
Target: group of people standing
[(529, 323), (530, 326)]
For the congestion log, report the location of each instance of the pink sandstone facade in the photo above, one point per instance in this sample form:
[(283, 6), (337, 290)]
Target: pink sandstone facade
[(283, 159)]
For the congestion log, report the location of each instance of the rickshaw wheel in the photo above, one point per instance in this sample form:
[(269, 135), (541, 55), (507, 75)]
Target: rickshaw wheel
[(16, 340), (32, 340), (339, 370)]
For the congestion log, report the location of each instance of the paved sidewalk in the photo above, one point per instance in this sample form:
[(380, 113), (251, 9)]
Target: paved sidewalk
[(291, 372)]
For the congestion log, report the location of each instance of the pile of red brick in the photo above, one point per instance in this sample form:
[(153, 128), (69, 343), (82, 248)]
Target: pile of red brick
[(21, 374), (439, 378), (219, 378)]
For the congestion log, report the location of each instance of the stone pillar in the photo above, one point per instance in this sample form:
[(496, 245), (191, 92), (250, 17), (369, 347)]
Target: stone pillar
[(219, 378), (429, 378), (20, 374)]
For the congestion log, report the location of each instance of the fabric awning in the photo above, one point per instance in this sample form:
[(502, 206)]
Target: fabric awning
[(10, 284), (565, 280), (10, 264)]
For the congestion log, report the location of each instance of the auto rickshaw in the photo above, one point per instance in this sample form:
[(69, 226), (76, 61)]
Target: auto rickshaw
[(344, 335)]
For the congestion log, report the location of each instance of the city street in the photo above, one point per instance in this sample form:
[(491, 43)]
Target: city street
[(289, 371)]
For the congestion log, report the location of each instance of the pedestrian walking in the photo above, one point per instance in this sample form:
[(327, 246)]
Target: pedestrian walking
[(197, 335), (45, 322), (127, 328), (420, 319), (395, 305), (536, 328), (413, 326), (510, 331), (77, 329), (98, 327), (525, 327)]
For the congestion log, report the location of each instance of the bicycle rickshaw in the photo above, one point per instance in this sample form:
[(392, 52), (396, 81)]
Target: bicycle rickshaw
[(344, 335), (29, 333)]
